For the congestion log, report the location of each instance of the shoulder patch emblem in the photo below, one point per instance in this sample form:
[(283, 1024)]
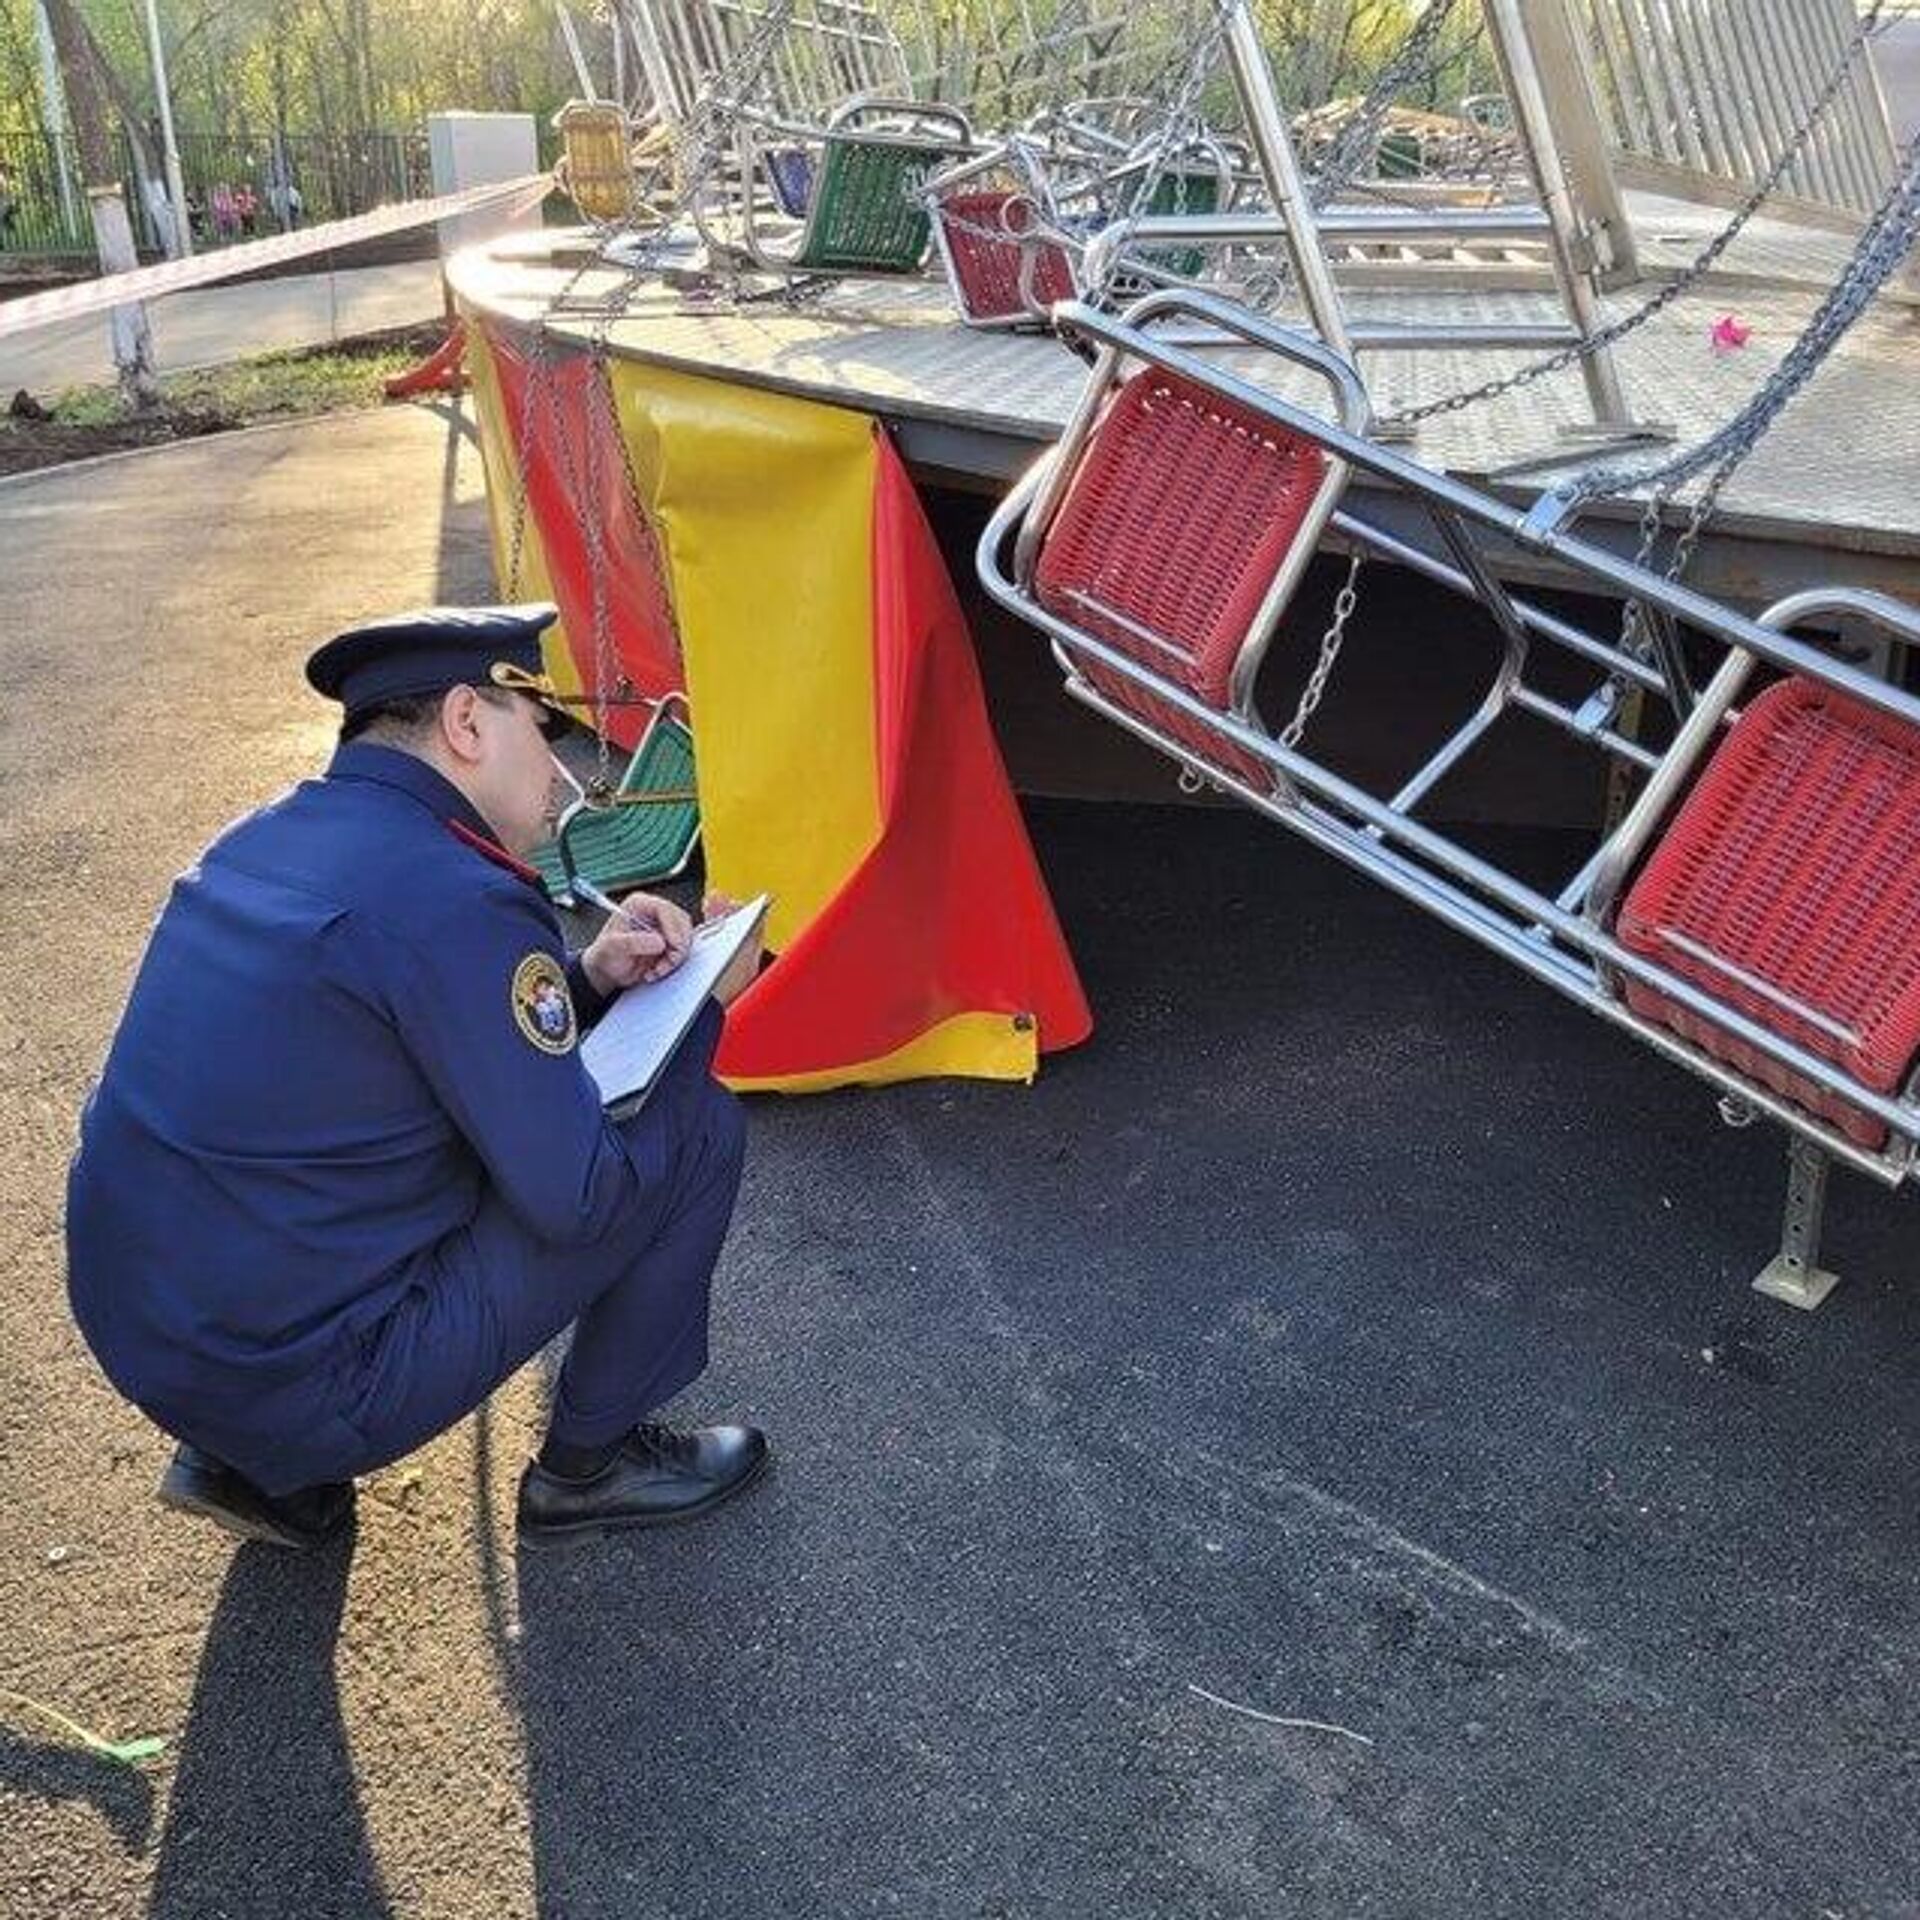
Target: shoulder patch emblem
[(542, 1007)]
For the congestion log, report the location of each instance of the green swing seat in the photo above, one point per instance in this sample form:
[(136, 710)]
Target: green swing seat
[(1182, 190), (864, 216), (648, 831), (859, 200)]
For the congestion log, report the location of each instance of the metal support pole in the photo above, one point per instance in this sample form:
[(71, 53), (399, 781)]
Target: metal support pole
[(1794, 1274), (571, 35), (176, 187), (1580, 135), (1273, 148), (1567, 246), (53, 103), (663, 103)]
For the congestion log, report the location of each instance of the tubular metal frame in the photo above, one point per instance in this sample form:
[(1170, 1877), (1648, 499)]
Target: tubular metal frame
[(1305, 229), (1349, 395), (1002, 157), (846, 128), (1094, 173), (1562, 940)]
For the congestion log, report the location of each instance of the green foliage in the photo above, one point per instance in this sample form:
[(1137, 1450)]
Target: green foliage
[(326, 66), (19, 85), (268, 386), (309, 66)]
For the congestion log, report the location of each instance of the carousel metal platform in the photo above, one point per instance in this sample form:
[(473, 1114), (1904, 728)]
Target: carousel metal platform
[(1831, 495)]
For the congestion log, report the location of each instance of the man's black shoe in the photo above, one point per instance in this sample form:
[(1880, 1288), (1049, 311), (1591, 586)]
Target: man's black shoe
[(196, 1482), (659, 1475)]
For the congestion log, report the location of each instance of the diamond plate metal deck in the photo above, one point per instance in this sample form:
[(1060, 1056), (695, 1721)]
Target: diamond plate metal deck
[(1832, 494)]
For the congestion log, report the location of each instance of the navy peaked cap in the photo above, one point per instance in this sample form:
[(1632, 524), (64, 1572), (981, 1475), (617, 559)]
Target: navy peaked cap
[(408, 655)]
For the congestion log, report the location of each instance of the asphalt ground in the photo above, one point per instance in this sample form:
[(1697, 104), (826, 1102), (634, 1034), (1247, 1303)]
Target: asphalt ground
[(1350, 1333)]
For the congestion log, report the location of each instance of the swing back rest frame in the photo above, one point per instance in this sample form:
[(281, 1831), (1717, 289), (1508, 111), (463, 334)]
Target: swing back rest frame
[(580, 806), (1565, 940), (1054, 480), (867, 124), (1041, 256)]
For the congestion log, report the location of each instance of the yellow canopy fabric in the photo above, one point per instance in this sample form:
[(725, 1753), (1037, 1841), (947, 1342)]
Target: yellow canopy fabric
[(765, 508), (845, 762)]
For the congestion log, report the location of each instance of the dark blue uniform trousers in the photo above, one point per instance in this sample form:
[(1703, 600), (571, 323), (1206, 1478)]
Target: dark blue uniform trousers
[(490, 1296)]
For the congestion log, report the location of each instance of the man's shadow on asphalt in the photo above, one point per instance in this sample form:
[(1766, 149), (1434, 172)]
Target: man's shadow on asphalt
[(264, 1816), (638, 1773), (632, 1763), (56, 1770)]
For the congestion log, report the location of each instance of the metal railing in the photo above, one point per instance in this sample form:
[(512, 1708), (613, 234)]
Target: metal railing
[(238, 188), (1706, 91), (42, 211)]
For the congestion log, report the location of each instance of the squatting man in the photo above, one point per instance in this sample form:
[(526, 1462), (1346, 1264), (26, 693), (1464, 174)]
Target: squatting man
[(344, 1171)]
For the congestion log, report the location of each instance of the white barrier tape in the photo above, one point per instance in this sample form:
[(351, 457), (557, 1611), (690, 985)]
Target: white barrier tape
[(174, 276)]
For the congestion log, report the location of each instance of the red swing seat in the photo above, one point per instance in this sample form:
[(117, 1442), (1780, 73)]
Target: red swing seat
[(981, 234), (1788, 885), (1178, 518)]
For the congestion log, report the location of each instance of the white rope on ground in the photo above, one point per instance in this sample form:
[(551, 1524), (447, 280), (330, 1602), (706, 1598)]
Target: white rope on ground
[(176, 276), (1280, 1720)]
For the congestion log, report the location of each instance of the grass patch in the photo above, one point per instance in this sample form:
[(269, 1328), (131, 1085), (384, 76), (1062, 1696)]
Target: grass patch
[(290, 384), (268, 386)]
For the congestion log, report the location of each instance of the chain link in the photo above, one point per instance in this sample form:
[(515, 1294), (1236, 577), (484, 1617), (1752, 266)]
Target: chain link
[(698, 148), (1884, 244), (579, 496), (1266, 284), (523, 462), (1180, 127), (1357, 141), (1330, 642)]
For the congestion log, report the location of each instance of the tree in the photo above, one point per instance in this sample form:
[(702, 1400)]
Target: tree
[(82, 74)]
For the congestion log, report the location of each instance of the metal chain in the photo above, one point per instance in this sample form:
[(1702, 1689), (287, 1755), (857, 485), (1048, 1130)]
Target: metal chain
[(1689, 277), (602, 600), (1018, 163), (1315, 690), (699, 147), (1481, 156), (623, 686), (1266, 285), (1884, 244), (1177, 127), (580, 497), (1358, 140), (523, 462)]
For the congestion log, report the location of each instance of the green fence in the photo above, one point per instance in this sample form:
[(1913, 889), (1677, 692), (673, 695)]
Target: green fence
[(238, 188), (42, 210)]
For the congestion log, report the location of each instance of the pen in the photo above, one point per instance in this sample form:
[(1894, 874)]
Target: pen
[(606, 903)]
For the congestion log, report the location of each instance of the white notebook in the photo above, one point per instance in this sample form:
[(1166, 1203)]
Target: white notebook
[(637, 1034)]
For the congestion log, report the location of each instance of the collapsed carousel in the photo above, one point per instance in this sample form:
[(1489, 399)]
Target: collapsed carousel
[(836, 255)]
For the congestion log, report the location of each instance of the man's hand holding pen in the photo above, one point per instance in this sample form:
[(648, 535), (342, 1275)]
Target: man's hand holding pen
[(645, 938)]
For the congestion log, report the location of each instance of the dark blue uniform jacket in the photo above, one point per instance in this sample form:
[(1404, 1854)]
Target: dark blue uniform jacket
[(319, 1071)]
